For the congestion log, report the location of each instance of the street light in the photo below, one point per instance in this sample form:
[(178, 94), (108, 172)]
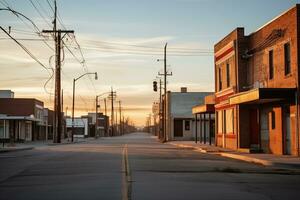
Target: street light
[(73, 104)]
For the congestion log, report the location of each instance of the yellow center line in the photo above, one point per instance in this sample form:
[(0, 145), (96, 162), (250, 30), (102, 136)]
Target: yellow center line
[(126, 175)]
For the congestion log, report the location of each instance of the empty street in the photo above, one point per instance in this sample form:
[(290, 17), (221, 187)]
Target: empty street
[(97, 169)]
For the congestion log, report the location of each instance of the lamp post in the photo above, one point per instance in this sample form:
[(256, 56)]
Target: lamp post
[(73, 100)]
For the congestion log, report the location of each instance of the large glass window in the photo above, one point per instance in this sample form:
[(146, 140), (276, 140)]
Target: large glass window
[(2, 129), (287, 59), (187, 125)]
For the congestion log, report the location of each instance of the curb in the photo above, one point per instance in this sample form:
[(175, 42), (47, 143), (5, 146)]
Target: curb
[(247, 159), (15, 149), (244, 158), (197, 149), (66, 143)]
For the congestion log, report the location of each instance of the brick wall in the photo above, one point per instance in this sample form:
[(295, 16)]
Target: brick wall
[(18, 106), (259, 62)]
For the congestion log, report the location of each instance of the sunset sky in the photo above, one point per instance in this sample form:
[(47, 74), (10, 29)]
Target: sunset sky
[(122, 40)]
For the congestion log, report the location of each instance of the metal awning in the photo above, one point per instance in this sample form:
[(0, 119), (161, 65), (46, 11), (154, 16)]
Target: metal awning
[(204, 108), (26, 118), (263, 95)]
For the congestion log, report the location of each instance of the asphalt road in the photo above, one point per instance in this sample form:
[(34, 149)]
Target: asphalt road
[(136, 166)]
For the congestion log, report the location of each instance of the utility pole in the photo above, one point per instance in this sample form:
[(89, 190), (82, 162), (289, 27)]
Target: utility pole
[(112, 112), (112, 97), (123, 125), (96, 117), (57, 94), (116, 121), (120, 121), (165, 74), (160, 111), (62, 111), (105, 109)]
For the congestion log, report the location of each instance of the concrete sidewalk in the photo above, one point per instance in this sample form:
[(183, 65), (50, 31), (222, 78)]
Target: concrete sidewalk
[(283, 162), (12, 149), (37, 144)]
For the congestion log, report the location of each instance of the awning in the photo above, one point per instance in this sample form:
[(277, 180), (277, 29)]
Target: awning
[(26, 118), (204, 108), (263, 95)]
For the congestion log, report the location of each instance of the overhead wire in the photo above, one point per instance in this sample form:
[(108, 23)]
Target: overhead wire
[(32, 56), (40, 14)]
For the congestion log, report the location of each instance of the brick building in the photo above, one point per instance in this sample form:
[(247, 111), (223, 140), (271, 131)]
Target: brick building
[(22, 119), (256, 88)]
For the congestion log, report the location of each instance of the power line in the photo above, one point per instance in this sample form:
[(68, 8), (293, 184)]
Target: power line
[(149, 47), (18, 14), (25, 49), (136, 52), (24, 39), (38, 11), (31, 55)]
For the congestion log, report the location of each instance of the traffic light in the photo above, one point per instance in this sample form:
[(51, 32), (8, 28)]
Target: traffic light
[(155, 86)]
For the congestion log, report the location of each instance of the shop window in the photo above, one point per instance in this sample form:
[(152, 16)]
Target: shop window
[(2, 129), (271, 65), (187, 126), (287, 59)]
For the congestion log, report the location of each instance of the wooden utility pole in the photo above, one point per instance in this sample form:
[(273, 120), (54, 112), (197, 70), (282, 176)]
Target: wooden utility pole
[(112, 97), (96, 118), (160, 111), (165, 74), (112, 112), (57, 94), (116, 121), (105, 109), (120, 121)]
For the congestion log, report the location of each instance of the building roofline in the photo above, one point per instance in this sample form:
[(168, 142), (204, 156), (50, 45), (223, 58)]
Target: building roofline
[(224, 38), (23, 99), (275, 18)]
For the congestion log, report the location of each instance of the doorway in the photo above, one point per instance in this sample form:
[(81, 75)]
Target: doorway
[(178, 128), (254, 128)]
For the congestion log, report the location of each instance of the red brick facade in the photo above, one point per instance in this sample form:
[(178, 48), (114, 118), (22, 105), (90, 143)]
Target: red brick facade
[(267, 58)]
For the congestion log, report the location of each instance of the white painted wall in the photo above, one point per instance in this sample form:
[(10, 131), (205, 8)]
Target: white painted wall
[(179, 105), (78, 123)]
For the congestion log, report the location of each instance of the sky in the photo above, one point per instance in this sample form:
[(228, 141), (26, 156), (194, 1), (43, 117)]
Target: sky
[(121, 40)]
